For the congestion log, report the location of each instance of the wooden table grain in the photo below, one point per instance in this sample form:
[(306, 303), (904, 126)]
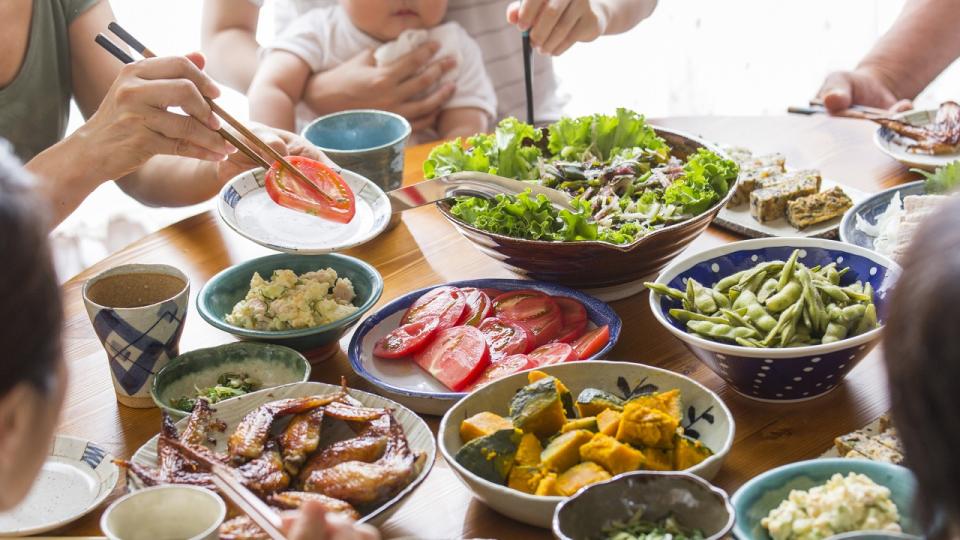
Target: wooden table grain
[(425, 250)]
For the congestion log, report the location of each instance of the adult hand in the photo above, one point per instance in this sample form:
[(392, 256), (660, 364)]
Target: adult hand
[(401, 86), (284, 142), (133, 122), (312, 522), (862, 86), (555, 25)]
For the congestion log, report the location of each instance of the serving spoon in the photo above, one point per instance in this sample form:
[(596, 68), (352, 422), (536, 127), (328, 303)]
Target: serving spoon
[(468, 183)]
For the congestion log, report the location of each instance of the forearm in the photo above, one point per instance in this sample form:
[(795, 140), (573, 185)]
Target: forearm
[(919, 46), (172, 181), (272, 106), (64, 177), (462, 122), (623, 15), (232, 55)]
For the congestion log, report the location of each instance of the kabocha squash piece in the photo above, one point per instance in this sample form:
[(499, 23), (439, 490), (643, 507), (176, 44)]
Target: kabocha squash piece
[(525, 478), (566, 398), (608, 421), (528, 453), (645, 427), (593, 401), (658, 459), (492, 456), (482, 424), (548, 486), (564, 451), (689, 452), (580, 475), (668, 402), (611, 454), (537, 408), (589, 423)]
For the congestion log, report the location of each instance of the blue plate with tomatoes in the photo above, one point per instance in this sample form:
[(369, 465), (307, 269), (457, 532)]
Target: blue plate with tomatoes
[(429, 348)]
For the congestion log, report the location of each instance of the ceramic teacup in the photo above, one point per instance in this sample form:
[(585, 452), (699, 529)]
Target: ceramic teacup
[(138, 311), (165, 513)]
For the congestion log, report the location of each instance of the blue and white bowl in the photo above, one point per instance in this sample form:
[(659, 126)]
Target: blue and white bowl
[(870, 209), (778, 374), (403, 381)]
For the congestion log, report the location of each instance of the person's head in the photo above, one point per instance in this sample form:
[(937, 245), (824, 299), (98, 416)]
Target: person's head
[(387, 19), (922, 354), (32, 374)]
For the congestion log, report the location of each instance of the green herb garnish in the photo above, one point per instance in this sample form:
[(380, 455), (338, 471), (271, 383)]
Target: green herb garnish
[(943, 180), (228, 385), (636, 528)]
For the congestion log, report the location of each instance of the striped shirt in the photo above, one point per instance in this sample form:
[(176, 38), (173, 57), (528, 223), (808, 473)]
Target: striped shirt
[(486, 22)]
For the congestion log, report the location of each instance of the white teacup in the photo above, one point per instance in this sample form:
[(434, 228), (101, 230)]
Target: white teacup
[(165, 513)]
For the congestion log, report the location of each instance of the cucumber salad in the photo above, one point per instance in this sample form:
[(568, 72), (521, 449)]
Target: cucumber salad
[(624, 179)]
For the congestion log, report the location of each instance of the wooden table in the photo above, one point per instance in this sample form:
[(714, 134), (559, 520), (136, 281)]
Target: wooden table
[(425, 250)]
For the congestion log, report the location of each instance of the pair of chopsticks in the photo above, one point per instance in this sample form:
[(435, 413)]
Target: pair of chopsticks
[(528, 74), (856, 111), (136, 45), (231, 488)]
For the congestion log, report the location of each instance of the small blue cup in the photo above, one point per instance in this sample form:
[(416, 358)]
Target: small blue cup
[(366, 141)]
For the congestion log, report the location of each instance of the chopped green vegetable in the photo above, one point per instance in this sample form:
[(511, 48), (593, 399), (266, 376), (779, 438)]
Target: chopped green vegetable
[(228, 385), (636, 528), (526, 216), (944, 180)]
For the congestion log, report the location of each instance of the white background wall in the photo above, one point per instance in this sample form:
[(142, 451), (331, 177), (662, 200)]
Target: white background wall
[(692, 57)]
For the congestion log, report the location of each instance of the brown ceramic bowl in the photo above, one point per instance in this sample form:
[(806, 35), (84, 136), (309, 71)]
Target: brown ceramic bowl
[(595, 264)]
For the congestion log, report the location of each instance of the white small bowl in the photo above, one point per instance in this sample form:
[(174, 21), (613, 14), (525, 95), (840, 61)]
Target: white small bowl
[(165, 512), (704, 412)]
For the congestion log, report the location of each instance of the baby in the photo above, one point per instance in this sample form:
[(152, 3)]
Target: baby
[(327, 37)]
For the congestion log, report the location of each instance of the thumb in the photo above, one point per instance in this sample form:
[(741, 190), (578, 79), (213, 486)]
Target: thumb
[(310, 522), (837, 93), (197, 58), (513, 13), (902, 105)]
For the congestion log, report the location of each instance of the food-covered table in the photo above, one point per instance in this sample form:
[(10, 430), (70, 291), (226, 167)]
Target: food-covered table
[(424, 250)]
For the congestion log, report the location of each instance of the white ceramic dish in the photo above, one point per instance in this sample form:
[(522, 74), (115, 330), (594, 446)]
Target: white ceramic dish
[(889, 143), (187, 512), (245, 207), (705, 416), (77, 476), (740, 221), (231, 411)]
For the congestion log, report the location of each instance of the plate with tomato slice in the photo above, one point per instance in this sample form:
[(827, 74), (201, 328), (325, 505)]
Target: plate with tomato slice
[(273, 209), (429, 348)]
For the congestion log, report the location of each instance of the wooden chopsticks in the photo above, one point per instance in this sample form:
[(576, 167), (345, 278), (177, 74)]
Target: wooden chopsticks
[(136, 45), (231, 488), (856, 111)]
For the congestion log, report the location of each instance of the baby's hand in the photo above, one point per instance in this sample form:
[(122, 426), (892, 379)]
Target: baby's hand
[(555, 25)]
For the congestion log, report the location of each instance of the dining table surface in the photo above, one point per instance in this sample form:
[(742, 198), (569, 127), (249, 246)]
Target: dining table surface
[(424, 249)]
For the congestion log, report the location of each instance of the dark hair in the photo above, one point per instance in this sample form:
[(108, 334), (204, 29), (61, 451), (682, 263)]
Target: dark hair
[(29, 294), (922, 354)]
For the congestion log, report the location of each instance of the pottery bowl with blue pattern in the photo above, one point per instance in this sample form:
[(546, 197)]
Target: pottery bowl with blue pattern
[(778, 374)]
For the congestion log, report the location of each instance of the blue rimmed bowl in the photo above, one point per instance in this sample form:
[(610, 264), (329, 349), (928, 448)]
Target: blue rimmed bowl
[(870, 209), (778, 374), (403, 380), (218, 296), (755, 499)]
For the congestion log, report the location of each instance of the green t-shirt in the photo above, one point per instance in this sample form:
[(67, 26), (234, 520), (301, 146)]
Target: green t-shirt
[(35, 106)]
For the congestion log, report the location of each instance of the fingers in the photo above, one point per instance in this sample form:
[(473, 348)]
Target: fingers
[(165, 93), (837, 92), (424, 122), (310, 523), (407, 65), (529, 9), (425, 80), (428, 105), (561, 33), (513, 13), (546, 22), (177, 67), (161, 144), (178, 126), (902, 105)]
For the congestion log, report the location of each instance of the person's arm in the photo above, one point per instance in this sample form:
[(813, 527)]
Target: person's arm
[(228, 36), (922, 42), (556, 25), (277, 88), (462, 122)]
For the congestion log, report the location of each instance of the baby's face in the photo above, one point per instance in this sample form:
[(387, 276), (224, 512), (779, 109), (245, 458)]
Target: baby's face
[(386, 19)]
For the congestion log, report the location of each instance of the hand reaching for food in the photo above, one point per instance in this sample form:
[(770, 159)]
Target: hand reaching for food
[(862, 86), (313, 522), (556, 25)]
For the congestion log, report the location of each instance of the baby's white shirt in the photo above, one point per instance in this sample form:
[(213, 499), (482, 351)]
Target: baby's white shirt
[(326, 38)]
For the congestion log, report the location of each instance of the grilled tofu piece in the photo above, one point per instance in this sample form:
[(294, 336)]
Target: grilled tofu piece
[(770, 203), (817, 208)]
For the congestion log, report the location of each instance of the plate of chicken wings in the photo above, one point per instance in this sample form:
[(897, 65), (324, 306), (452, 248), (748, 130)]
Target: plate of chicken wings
[(925, 139), (354, 452)]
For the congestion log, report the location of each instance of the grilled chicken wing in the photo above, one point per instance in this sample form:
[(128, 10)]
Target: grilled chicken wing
[(301, 439), (247, 441), (940, 137), (265, 474), (293, 499)]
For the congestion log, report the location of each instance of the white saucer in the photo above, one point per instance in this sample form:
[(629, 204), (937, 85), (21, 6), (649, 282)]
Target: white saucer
[(245, 206), (888, 142)]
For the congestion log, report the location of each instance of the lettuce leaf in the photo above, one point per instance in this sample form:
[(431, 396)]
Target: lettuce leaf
[(526, 216), (707, 178), (944, 180), (514, 157), (506, 152), (458, 155), (604, 136)]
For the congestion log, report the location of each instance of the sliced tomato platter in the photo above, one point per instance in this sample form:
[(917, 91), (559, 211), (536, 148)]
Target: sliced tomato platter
[(428, 348)]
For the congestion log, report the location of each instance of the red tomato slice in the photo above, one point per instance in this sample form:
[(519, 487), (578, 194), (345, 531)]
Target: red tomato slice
[(492, 293), (514, 363), (553, 353), (574, 318), (479, 306), (407, 339), (535, 311), (447, 303), (331, 199), (504, 338), (456, 356), (591, 342)]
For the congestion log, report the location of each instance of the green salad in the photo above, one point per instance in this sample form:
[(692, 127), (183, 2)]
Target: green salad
[(624, 181), (637, 528)]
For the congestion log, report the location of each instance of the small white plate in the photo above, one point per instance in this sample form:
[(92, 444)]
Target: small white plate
[(246, 207), (889, 143), (740, 221), (77, 476)]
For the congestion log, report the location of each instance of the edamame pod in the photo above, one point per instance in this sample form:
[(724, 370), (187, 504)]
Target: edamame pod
[(735, 319), (664, 290), (761, 319), (710, 330), (744, 299), (867, 322), (788, 317), (683, 315), (834, 332), (701, 297), (788, 269), (768, 288), (729, 281), (787, 296)]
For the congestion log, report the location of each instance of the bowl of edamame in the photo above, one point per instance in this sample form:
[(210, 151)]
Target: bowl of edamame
[(779, 319)]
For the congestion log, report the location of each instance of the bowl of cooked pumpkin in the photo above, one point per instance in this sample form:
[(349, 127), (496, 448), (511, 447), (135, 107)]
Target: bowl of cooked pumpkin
[(525, 442)]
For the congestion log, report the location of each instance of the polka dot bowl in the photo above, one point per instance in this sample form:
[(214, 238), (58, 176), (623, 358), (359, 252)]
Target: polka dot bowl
[(778, 374)]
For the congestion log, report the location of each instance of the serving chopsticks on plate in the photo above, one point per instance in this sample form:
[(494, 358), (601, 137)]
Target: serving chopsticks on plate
[(136, 45)]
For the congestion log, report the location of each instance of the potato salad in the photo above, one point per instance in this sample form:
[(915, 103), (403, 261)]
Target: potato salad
[(288, 301), (843, 504)]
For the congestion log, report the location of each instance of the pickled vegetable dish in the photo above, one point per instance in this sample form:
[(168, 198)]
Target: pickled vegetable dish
[(637, 528), (228, 385)]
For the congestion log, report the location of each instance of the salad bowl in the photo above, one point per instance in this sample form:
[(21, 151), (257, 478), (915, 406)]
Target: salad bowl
[(597, 265)]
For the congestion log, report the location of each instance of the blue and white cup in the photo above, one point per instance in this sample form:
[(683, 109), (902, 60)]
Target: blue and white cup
[(137, 311)]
